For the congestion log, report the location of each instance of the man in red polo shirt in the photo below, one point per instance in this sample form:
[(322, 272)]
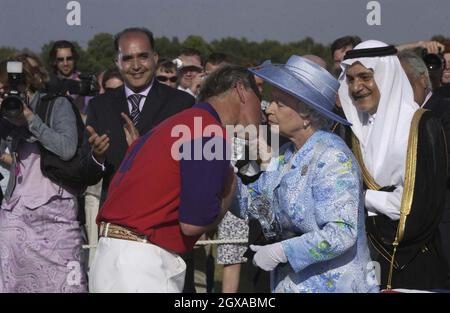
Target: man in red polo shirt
[(174, 184)]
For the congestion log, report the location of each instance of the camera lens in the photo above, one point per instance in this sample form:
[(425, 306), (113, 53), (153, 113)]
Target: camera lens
[(433, 61), (88, 85), (11, 106)]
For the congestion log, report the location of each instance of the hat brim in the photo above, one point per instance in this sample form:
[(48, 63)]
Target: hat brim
[(192, 67), (278, 76)]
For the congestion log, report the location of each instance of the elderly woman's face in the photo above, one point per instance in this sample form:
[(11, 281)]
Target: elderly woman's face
[(282, 112)]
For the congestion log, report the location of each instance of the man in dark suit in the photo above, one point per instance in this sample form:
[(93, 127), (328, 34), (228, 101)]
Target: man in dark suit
[(142, 98)]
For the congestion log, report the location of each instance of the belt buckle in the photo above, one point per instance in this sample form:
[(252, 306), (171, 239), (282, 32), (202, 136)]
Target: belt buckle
[(139, 237), (143, 239), (104, 227)]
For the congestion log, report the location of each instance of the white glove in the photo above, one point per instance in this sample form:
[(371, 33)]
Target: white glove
[(267, 257)]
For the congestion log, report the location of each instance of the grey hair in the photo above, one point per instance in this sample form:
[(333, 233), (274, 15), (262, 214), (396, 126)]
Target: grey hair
[(224, 79), (317, 120), (416, 65)]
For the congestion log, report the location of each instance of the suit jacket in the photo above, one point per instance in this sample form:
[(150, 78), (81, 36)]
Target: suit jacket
[(104, 116)]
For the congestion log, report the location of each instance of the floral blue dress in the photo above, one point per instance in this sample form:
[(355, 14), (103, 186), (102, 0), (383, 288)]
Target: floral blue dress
[(315, 196)]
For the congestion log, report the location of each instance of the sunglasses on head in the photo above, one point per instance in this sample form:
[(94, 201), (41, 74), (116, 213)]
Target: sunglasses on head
[(66, 58), (172, 79)]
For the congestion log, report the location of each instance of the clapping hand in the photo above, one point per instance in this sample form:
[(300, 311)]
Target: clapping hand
[(131, 132), (99, 144)]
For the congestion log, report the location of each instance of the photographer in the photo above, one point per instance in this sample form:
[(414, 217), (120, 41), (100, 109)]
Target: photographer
[(5, 159), (444, 91), (66, 80), (446, 73), (47, 236), (431, 52)]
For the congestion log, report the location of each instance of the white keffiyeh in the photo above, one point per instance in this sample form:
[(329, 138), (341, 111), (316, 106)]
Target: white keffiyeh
[(384, 142)]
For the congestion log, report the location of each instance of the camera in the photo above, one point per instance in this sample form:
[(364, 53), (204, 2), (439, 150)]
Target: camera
[(14, 98), (434, 62), (86, 86)]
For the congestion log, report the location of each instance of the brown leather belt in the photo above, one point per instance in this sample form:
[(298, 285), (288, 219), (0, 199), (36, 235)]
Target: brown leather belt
[(120, 232)]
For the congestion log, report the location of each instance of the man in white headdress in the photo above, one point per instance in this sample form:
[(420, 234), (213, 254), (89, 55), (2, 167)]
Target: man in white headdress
[(401, 151)]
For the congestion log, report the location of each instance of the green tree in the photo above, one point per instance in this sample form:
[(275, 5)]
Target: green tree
[(6, 52), (45, 55), (440, 38), (241, 51), (235, 48), (100, 53), (197, 42), (167, 48)]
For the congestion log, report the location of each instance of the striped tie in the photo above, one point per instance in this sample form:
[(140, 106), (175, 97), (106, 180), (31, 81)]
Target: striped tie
[(134, 100)]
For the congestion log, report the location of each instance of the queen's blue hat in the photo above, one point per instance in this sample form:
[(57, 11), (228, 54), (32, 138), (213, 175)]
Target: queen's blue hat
[(304, 80)]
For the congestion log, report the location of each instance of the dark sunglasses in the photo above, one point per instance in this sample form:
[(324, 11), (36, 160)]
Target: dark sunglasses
[(66, 58), (163, 79)]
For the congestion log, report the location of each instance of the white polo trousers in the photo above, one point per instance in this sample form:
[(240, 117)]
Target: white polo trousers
[(131, 266)]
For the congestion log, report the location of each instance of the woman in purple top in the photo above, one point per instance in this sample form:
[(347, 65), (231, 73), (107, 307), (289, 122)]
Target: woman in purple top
[(40, 238)]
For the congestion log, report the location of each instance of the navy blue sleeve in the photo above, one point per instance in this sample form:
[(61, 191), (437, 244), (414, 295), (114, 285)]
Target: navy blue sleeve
[(203, 175)]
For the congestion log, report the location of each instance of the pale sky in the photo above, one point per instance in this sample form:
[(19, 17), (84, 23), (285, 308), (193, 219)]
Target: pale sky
[(32, 23)]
